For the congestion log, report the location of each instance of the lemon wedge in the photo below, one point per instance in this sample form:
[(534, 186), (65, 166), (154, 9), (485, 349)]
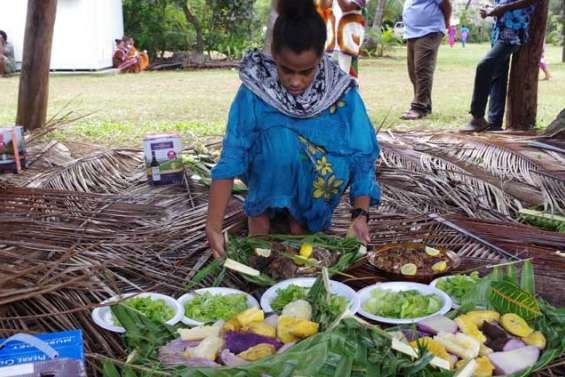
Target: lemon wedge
[(432, 252), (409, 269), (306, 250), (439, 266)]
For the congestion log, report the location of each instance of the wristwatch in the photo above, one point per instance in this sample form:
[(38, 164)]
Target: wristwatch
[(355, 213)]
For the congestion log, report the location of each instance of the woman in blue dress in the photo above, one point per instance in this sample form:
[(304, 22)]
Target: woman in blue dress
[(298, 135)]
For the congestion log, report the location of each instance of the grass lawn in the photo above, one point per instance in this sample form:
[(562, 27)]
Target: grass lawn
[(125, 107)]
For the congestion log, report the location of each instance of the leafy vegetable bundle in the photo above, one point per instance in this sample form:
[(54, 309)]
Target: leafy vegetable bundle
[(245, 250)]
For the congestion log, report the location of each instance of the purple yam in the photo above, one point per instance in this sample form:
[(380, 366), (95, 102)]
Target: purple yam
[(497, 337), (513, 344), (172, 353), (453, 360), (510, 362), (412, 334), (439, 323), (238, 342), (201, 363), (272, 320), (286, 347), (231, 360)]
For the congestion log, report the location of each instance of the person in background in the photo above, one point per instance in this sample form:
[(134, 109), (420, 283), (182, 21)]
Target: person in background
[(544, 66), (464, 32), (452, 33), (425, 24), (135, 61), (120, 53), (345, 22), (509, 33), (7, 59), (298, 135)]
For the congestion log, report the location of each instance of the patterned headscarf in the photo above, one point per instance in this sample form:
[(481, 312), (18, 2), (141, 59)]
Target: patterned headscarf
[(258, 72)]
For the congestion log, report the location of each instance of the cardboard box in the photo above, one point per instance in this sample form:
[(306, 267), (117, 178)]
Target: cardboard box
[(8, 155), (22, 359), (163, 159)]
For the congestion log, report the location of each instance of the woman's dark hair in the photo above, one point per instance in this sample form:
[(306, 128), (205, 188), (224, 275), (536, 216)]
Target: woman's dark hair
[(299, 28), (4, 35)]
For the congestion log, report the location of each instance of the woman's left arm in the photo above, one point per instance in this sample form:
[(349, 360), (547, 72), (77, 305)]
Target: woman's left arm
[(364, 189)]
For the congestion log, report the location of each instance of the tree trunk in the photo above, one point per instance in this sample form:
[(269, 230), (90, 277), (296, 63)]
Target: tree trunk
[(379, 15), (523, 87), (270, 25), (34, 79), (192, 19), (563, 33)]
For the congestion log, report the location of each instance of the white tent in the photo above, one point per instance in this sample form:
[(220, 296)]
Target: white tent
[(84, 34)]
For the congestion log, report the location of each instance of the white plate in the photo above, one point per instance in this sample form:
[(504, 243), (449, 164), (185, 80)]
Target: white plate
[(102, 316), (336, 287), (365, 293), (434, 282), (251, 302)]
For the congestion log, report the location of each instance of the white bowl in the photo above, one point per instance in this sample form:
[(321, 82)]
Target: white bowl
[(251, 302), (102, 316), (365, 294), (336, 288), (434, 282)]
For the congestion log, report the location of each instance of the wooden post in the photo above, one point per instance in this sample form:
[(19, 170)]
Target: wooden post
[(523, 84), (34, 79)]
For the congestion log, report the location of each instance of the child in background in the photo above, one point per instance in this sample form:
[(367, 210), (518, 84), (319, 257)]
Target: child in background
[(544, 66), (451, 32), (464, 35)]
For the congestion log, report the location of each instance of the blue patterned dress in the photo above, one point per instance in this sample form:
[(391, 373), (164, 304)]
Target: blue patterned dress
[(512, 26), (301, 165)]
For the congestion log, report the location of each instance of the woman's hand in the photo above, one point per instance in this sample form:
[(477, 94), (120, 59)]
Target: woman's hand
[(216, 241), (360, 230)]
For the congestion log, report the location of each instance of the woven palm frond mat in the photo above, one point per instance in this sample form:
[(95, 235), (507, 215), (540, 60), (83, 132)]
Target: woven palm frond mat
[(76, 231)]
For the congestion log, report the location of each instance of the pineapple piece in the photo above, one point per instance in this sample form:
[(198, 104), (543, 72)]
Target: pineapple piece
[(484, 350), (535, 339), (261, 328), (200, 332), (461, 345), (482, 316), (208, 349), (290, 329), (432, 346), (516, 325), (484, 367), (468, 326), (306, 250), (258, 352), (250, 315), (232, 325)]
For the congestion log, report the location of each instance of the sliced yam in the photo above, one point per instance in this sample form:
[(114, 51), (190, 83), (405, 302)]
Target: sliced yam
[(514, 361)]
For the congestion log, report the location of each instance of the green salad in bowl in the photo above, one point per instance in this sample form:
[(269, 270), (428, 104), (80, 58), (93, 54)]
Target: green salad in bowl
[(457, 286), (214, 304), (295, 292)]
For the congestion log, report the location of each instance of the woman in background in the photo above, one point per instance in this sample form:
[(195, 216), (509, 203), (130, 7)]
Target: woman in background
[(7, 59)]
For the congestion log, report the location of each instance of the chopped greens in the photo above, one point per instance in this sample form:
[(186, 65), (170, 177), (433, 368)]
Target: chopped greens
[(156, 310), (287, 295), (403, 305), (336, 304), (212, 307), (457, 286)]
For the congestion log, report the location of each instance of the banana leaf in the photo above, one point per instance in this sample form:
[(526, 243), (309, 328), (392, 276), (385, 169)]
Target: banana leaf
[(527, 280), (350, 349), (507, 297)]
